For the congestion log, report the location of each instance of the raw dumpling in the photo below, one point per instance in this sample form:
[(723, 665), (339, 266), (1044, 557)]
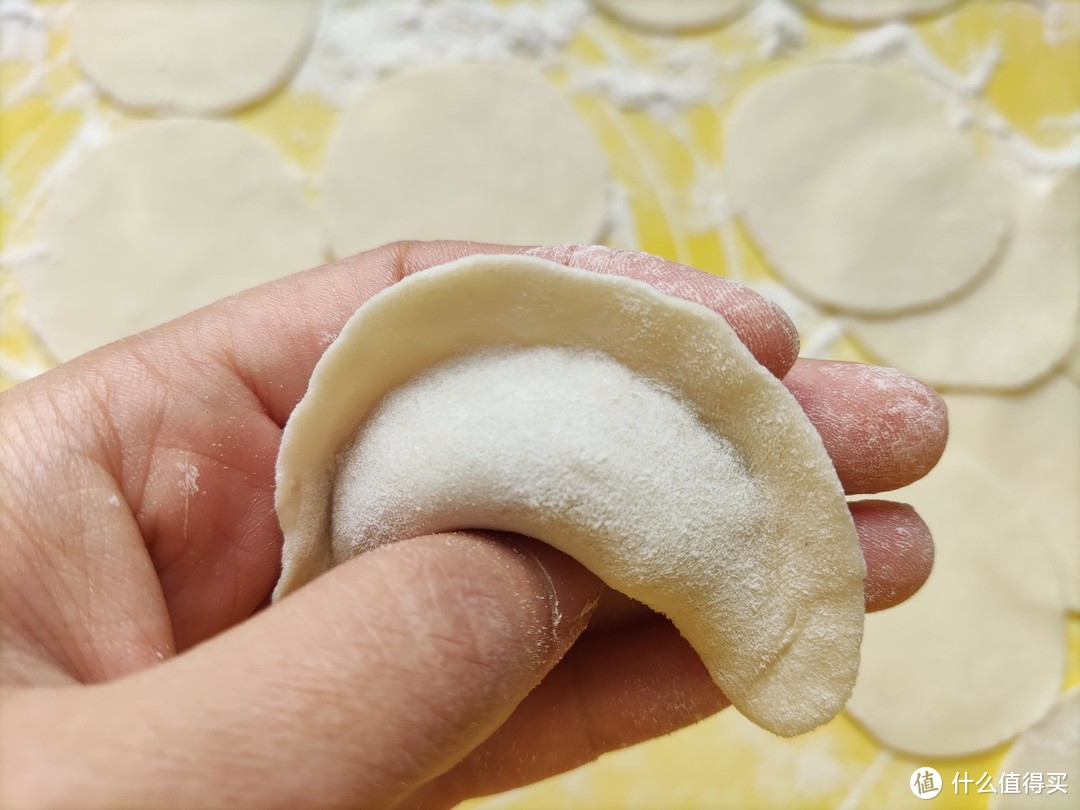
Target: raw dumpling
[(627, 428)]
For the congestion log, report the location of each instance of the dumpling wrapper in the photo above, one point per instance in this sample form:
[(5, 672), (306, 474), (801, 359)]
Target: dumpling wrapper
[(629, 429), (403, 154), (1050, 746), (670, 16), (1016, 325), (978, 654), (191, 56), (876, 11), (858, 191), (165, 218), (1030, 440)]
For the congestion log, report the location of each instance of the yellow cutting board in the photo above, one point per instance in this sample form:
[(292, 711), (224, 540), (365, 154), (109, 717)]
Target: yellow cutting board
[(722, 762)]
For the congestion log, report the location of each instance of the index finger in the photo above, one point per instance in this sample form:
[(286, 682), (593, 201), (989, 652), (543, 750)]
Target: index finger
[(273, 336)]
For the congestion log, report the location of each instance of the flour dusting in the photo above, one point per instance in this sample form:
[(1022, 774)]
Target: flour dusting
[(685, 76), (779, 27), (899, 41), (189, 487), (362, 41)]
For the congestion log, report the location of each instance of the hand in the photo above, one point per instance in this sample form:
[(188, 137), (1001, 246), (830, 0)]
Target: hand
[(139, 544)]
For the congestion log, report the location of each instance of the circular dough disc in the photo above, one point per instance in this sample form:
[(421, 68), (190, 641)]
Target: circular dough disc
[(166, 218), (875, 11), (1030, 440), (857, 190), (978, 654), (191, 55), (1016, 325), (673, 15), (476, 152), (1050, 746), (627, 428), (1072, 367)]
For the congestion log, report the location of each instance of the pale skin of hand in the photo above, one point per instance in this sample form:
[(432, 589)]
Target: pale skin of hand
[(139, 668)]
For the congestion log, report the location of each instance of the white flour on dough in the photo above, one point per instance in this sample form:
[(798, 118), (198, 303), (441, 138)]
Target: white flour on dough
[(629, 429)]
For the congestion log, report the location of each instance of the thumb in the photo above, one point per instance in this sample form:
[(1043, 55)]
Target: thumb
[(370, 681)]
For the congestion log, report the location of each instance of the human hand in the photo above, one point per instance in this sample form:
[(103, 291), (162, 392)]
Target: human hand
[(139, 544)]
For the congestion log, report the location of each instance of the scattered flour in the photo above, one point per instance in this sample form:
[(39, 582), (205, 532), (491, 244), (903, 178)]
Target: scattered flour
[(189, 483), (780, 28), (189, 487), (24, 36), (899, 40), (361, 41), (1061, 23), (685, 76)]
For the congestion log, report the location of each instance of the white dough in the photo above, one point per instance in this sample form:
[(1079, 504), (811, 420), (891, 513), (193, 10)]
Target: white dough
[(627, 428), (473, 152), (192, 56), (1050, 746), (673, 15), (168, 217), (978, 653), (875, 11), (1031, 441), (1016, 325), (1072, 367), (857, 190)]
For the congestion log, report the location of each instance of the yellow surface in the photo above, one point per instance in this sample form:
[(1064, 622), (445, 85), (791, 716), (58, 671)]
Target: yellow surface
[(724, 761)]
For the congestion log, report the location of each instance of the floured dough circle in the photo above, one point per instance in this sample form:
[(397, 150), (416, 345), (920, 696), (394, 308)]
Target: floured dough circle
[(473, 152), (191, 56), (673, 15), (978, 654), (168, 217), (1031, 441), (1012, 328), (1050, 746), (1072, 365), (857, 190), (875, 11), (627, 428)]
